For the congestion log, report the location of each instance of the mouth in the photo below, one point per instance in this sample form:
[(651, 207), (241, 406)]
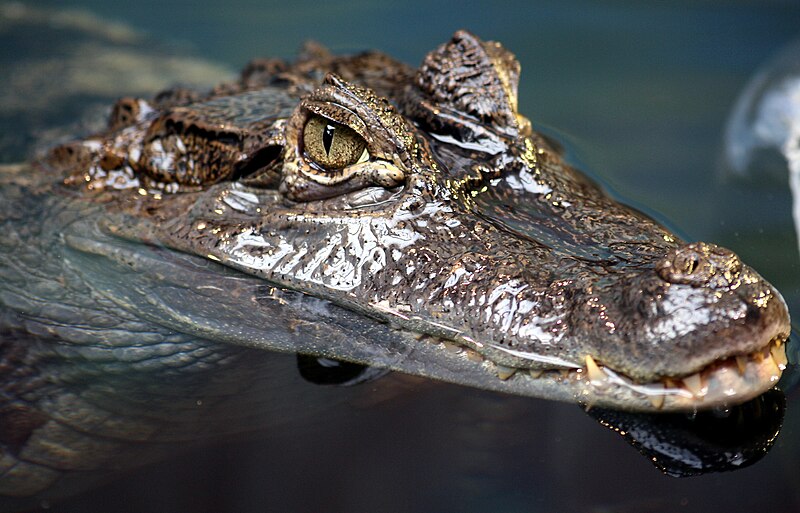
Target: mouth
[(723, 382), (732, 380)]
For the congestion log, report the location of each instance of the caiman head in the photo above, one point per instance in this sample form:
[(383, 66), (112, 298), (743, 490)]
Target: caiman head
[(420, 207)]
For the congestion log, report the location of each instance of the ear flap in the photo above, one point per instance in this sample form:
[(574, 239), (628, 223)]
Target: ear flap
[(471, 79)]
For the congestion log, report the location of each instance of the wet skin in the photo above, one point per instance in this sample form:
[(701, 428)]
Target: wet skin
[(358, 209)]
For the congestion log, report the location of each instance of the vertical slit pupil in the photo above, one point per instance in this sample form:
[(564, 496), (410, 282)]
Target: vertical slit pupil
[(327, 137)]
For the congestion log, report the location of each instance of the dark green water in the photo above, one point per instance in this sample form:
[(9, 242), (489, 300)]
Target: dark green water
[(640, 93)]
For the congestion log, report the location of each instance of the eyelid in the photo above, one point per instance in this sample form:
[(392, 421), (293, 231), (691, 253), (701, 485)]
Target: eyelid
[(338, 114)]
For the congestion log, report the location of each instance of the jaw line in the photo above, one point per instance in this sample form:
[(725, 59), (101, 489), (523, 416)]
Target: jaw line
[(723, 382), (110, 248)]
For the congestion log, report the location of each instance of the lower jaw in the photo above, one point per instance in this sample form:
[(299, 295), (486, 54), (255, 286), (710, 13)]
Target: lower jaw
[(725, 382)]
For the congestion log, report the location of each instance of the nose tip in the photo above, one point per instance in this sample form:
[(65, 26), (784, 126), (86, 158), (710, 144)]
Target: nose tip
[(700, 265)]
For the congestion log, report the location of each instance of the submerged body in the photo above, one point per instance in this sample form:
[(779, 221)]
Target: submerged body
[(354, 208)]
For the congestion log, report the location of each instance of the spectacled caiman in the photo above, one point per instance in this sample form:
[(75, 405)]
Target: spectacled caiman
[(353, 208)]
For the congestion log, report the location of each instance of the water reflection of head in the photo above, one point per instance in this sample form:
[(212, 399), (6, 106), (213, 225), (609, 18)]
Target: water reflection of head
[(718, 440)]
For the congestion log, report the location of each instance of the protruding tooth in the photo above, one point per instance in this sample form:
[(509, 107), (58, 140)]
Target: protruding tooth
[(694, 384), (594, 372), (656, 395), (504, 372), (452, 347), (779, 354), (535, 373), (657, 400), (770, 362), (741, 362), (473, 355), (670, 383)]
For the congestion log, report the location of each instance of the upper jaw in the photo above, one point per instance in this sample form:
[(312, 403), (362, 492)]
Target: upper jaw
[(733, 350), (457, 352), (649, 329)]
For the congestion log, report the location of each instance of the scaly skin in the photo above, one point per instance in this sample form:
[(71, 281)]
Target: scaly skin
[(462, 249)]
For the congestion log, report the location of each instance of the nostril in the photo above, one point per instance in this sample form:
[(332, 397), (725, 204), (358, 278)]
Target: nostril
[(683, 265), (699, 264), (687, 263), (693, 264)]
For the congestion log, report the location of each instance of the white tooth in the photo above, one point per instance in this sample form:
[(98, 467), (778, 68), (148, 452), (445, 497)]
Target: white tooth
[(656, 395), (772, 365), (473, 355), (451, 347), (779, 354), (741, 362), (535, 373), (504, 372), (694, 384), (594, 372), (657, 400)]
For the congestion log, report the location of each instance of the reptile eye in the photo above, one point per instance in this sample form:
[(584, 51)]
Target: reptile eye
[(332, 146)]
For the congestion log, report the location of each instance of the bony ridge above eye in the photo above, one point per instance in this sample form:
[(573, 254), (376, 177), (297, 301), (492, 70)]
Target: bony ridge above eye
[(331, 145)]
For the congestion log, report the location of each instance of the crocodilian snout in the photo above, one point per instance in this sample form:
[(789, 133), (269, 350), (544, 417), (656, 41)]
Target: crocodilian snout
[(741, 310), (700, 264), (698, 305), (733, 286), (697, 329)]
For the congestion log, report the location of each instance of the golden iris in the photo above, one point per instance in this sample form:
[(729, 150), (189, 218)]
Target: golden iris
[(332, 145)]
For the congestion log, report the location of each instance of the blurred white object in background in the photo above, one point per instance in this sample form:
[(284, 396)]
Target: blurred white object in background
[(766, 117)]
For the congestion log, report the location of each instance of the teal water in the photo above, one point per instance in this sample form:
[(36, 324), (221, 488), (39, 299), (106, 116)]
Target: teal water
[(639, 93)]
